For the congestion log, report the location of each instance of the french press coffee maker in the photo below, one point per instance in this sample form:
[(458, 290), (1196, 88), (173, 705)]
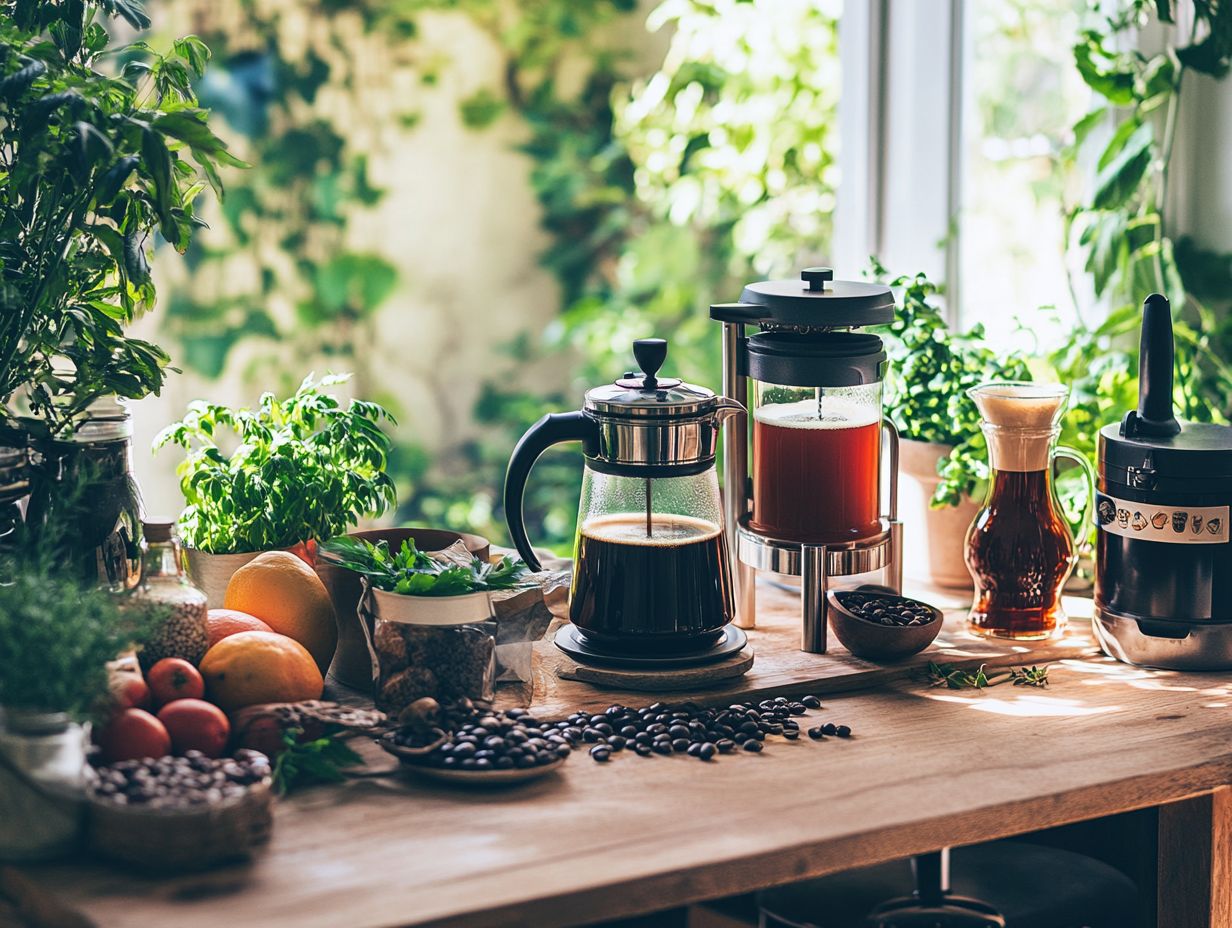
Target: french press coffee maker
[(651, 573), (812, 505)]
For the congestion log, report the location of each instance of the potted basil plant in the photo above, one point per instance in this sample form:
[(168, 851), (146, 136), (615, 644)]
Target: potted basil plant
[(58, 639), (427, 617), (943, 461), (303, 469)]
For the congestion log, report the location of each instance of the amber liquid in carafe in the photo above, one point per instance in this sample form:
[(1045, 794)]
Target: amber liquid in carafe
[(1019, 552)]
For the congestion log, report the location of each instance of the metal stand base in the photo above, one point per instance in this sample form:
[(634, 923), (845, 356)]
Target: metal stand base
[(815, 565)]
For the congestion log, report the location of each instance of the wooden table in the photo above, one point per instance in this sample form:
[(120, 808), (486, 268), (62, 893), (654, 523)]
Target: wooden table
[(927, 768)]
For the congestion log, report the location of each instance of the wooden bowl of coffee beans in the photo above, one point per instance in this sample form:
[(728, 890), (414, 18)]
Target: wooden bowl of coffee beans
[(880, 626)]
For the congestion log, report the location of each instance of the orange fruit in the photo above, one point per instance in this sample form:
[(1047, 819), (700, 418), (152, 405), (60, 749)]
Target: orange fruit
[(287, 595), (220, 623), (248, 668)]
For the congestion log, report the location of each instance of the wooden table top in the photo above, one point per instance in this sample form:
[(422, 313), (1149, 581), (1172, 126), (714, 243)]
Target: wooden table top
[(926, 768)]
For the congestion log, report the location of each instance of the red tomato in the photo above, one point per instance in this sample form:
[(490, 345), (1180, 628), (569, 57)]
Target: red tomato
[(196, 725), (129, 691), (133, 734), (174, 678)]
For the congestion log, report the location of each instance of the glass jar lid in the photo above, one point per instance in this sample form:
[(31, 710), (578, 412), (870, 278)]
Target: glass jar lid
[(643, 394)]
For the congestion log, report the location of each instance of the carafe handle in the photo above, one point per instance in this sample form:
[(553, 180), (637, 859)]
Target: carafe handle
[(1088, 517), (552, 429)]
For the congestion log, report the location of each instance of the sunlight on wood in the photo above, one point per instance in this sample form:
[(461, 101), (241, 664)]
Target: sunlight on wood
[(1026, 705)]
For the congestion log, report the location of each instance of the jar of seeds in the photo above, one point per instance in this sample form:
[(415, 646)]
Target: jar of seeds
[(438, 646), (164, 582)]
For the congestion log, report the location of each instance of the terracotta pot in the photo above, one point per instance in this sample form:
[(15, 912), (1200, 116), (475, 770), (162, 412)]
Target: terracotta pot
[(933, 538), (352, 663)]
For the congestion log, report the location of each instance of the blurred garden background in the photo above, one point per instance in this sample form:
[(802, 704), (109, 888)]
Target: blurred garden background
[(476, 205)]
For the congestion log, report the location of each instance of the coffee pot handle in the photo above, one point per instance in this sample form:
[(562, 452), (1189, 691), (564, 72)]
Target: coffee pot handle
[(552, 429), (1088, 517)]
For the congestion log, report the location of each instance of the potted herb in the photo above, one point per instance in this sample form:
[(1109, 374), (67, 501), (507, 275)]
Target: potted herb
[(942, 454), (94, 163), (302, 469), (427, 618), (58, 639)]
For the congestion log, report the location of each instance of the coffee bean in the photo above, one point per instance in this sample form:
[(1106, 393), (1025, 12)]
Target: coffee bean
[(843, 731), (706, 750), (811, 701), (601, 752), (816, 733), (829, 728), (752, 745)]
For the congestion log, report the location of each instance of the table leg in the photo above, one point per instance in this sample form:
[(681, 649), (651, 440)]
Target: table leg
[(1195, 862)]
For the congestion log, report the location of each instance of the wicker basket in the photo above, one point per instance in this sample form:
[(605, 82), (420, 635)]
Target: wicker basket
[(183, 839)]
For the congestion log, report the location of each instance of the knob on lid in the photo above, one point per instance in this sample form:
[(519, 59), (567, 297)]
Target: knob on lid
[(644, 393)]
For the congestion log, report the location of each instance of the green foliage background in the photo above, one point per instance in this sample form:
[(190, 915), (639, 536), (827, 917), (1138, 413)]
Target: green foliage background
[(664, 189), (661, 191)]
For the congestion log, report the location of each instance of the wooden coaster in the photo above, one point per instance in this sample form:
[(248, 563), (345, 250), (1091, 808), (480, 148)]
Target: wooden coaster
[(671, 680)]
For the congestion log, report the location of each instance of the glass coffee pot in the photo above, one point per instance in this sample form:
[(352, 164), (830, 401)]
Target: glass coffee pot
[(651, 572), (1019, 548)]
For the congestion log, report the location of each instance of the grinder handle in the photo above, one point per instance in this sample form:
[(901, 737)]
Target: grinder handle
[(552, 429), (1153, 417)]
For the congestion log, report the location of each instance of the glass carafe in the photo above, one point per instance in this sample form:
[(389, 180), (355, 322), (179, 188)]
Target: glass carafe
[(1019, 549), (650, 561), (816, 462)]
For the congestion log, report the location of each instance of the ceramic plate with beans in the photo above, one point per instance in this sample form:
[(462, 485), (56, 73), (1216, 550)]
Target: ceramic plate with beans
[(490, 747), (886, 609)]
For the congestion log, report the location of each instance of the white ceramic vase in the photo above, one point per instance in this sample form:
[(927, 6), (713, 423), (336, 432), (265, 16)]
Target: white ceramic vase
[(933, 538)]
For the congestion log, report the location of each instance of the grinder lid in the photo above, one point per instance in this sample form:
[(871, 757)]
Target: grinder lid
[(1200, 451)]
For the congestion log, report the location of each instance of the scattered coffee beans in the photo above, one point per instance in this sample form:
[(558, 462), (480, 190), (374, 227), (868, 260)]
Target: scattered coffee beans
[(480, 739), (885, 610), (175, 782)]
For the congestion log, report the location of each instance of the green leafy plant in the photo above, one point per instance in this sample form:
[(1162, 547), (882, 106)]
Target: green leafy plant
[(58, 638), (411, 572), (1124, 230), (305, 468), (303, 763), (91, 164), (931, 370)]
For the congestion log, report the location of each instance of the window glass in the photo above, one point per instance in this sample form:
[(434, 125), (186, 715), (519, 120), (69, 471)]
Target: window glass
[(1021, 95)]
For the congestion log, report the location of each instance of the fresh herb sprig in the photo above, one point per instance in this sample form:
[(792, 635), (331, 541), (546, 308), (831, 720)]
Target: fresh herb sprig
[(303, 763), (956, 678), (304, 468), (411, 572)]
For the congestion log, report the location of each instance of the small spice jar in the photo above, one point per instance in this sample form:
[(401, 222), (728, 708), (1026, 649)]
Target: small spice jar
[(438, 646), (164, 582)]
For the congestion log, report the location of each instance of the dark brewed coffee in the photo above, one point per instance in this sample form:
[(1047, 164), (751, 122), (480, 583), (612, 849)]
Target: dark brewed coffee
[(669, 590)]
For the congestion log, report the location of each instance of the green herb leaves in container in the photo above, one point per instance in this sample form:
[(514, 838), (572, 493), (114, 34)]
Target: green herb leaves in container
[(303, 469), (410, 572)]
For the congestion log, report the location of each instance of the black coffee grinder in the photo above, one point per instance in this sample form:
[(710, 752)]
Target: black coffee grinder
[(1163, 580)]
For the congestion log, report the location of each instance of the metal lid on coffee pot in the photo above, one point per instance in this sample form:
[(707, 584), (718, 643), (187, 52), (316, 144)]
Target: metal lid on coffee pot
[(643, 394), (816, 302)]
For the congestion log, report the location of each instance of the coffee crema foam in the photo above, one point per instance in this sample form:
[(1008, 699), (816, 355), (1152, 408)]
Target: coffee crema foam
[(629, 528), (837, 412)]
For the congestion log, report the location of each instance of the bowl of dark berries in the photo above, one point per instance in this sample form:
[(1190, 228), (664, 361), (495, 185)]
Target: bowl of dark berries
[(882, 627), (488, 749)]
